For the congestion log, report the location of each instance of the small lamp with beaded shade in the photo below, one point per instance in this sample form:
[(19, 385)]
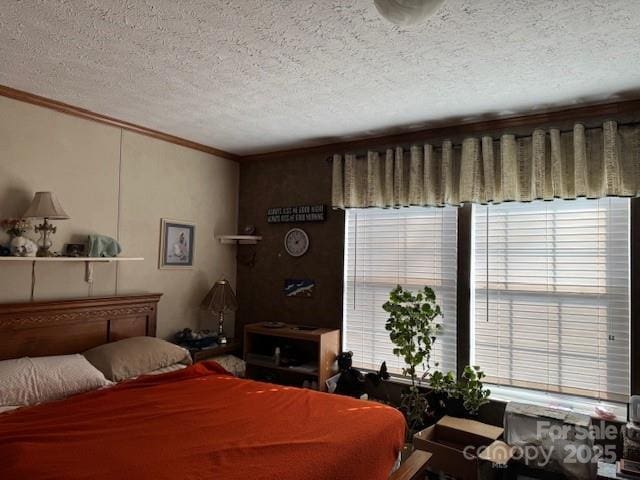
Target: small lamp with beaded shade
[(45, 205)]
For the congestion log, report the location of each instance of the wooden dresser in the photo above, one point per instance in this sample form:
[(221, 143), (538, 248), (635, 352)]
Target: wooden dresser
[(306, 353)]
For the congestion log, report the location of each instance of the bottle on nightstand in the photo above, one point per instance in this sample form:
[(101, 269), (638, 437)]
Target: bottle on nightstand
[(276, 356)]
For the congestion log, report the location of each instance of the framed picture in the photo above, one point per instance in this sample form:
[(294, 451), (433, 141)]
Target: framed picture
[(176, 244), (299, 287), (75, 250)]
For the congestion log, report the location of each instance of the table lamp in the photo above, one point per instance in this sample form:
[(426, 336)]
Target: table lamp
[(219, 300), (45, 205)]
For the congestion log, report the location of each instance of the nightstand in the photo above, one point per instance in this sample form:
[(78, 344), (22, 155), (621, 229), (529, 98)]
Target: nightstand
[(199, 354)]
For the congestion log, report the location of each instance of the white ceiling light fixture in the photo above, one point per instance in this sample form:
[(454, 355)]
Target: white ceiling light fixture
[(406, 13)]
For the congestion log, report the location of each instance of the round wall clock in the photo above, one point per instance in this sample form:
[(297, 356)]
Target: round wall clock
[(296, 242)]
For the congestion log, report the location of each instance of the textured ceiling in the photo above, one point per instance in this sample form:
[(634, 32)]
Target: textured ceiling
[(250, 76)]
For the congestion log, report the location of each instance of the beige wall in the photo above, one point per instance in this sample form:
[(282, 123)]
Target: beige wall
[(116, 183)]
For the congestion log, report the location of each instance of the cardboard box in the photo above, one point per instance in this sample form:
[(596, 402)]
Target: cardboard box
[(464, 449), (553, 434)]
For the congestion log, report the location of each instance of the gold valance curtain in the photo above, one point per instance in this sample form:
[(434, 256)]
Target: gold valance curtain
[(593, 163)]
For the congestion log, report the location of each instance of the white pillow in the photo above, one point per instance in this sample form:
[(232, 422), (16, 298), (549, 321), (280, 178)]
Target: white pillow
[(28, 381)]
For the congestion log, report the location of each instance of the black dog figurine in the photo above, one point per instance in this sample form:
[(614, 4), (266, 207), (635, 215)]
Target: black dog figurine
[(376, 378), (351, 381)]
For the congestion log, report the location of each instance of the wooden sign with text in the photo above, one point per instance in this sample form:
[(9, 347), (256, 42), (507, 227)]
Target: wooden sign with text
[(301, 213)]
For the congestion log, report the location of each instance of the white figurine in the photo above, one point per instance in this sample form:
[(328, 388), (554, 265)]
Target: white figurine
[(23, 247)]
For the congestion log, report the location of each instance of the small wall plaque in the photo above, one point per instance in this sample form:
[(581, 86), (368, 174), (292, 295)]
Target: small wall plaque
[(298, 214)]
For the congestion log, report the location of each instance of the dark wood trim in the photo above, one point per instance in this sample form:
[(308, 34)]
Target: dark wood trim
[(114, 122), (463, 295), (73, 303), (62, 327), (635, 296), (464, 128)]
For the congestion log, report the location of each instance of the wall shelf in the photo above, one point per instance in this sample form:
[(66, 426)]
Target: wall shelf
[(239, 239), (88, 261)]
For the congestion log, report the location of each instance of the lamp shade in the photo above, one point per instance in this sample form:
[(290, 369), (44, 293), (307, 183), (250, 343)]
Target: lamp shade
[(220, 298), (46, 205), (406, 13)]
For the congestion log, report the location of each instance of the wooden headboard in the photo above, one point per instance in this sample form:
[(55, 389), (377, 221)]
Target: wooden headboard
[(62, 327)]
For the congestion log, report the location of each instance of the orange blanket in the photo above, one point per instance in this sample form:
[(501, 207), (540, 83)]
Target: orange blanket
[(201, 423)]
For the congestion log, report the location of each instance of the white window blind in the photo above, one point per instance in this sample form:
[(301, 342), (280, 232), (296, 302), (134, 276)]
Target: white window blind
[(552, 296), (413, 247)]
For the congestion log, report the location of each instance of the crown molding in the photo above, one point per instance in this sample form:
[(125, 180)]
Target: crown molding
[(447, 130), (114, 122), (477, 127)]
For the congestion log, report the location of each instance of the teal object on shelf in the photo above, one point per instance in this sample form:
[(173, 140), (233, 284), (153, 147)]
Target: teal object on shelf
[(103, 246)]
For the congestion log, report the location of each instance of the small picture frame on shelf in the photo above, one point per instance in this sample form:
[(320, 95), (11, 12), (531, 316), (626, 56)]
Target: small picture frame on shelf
[(176, 244), (75, 250)]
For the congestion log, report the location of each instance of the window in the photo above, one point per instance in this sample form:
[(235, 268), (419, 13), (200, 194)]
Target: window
[(412, 247), (551, 301), (550, 292)]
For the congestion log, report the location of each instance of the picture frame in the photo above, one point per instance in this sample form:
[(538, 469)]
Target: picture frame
[(177, 244), (75, 250), (295, 287)]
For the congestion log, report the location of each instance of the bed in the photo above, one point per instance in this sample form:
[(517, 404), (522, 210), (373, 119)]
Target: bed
[(196, 423)]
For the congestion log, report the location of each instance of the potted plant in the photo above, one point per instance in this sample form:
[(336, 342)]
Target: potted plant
[(412, 327), (463, 397), (15, 227)]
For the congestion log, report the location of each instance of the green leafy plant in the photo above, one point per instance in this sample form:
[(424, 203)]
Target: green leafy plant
[(443, 382), (412, 327), (469, 390)]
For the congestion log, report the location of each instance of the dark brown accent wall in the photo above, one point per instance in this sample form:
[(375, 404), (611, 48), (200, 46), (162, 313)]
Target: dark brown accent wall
[(286, 182), (304, 177)]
